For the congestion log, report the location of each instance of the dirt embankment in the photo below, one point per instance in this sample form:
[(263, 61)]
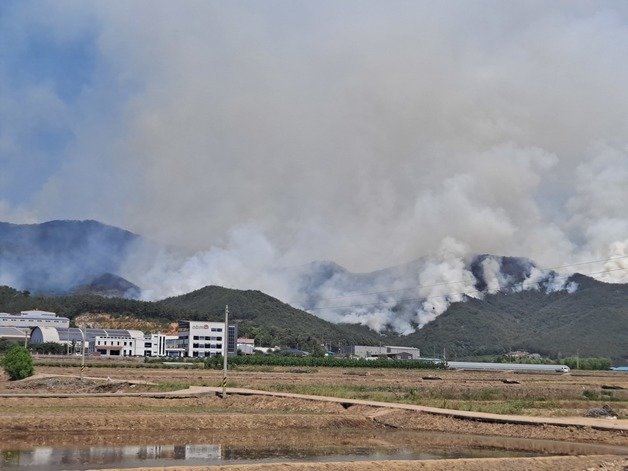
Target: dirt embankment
[(569, 463)]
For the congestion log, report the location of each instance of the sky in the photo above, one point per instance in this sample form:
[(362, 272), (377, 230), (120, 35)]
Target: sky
[(365, 132)]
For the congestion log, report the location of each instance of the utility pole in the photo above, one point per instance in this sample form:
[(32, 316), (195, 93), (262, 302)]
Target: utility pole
[(82, 329), (225, 344)]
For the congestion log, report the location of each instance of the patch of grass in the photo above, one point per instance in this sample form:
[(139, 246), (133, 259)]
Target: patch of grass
[(169, 386), (356, 373), (483, 394), (344, 391), (256, 368), (303, 370), (591, 395), (507, 407)]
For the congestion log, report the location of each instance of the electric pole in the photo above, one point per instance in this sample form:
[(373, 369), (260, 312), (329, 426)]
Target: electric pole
[(225, 344)]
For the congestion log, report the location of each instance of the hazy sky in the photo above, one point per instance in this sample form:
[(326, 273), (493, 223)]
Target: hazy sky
[(361, 132)]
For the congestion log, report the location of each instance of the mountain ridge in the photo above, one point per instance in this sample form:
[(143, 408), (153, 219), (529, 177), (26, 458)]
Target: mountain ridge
[(593, 320)]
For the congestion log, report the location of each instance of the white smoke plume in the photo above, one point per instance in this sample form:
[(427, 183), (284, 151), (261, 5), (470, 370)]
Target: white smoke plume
[(261, 136), (400, 299)]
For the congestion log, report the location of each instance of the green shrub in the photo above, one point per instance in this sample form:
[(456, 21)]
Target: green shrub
[(18, 363), (591, 363), (591, 395), (215, 362)]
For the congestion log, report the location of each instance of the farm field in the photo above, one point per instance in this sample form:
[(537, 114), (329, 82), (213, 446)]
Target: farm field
[(257, 422)]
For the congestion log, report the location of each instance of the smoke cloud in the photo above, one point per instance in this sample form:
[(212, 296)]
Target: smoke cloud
[(258, 137)]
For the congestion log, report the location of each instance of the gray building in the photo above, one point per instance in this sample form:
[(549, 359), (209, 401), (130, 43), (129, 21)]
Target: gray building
[(388, 351), (73, 336), (31, 319), (14, 334)]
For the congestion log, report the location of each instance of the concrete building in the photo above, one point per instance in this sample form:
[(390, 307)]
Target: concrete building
[(246, 346), (388, 351), (31, 319), (131, 345), (203, 339), (106, 342), (174, 347), (156, 345)]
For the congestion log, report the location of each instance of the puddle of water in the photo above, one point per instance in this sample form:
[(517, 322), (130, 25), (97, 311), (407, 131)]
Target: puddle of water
[(45, 458), (300, 446)]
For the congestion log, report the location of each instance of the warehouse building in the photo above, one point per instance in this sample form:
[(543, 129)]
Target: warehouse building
[(73, 335), (388, 351), (31, 319)]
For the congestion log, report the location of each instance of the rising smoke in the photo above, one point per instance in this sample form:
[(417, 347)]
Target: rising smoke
[(259, 137)]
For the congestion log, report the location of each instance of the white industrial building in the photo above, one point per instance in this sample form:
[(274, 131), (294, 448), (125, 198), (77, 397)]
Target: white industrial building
[(73, 336), (156, 345), (195, 339), (204, 339), (31, 319), (131, 345), (134, 344), (246, 346), (388, 351)]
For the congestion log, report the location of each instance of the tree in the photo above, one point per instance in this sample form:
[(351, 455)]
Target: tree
[(18, 363), (47, 348)]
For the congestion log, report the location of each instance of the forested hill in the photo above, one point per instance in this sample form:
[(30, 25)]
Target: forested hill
[(593, 321), (257, 314), (267, 318), (56, 257)]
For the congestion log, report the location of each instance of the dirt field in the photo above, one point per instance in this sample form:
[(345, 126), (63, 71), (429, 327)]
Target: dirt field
[(250, 422)]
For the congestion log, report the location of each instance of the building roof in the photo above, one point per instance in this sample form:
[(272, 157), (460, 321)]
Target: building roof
[(11, 333), (69, 334)]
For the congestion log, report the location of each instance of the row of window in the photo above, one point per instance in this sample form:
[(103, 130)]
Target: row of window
[(200, 337), (35, 321), (115, 352), (104, 342), (213, 346)]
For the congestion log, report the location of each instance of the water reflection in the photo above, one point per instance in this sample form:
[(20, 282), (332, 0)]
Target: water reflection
[(423, 446), (169, 455), (46, 457)]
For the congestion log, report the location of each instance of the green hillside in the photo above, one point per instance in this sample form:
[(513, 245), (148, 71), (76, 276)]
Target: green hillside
[(267, 319), (593, 321)]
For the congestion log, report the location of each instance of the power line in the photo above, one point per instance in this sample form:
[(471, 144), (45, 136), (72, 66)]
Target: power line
[(450, 295), (463, 281)]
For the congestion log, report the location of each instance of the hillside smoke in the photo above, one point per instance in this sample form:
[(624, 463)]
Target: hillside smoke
[(401, 298)]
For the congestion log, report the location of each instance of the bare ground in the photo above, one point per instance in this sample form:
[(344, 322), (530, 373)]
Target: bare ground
[(262, 422)]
